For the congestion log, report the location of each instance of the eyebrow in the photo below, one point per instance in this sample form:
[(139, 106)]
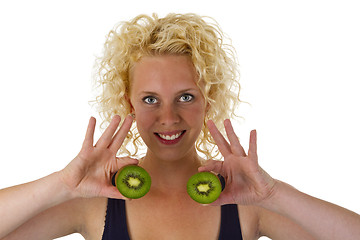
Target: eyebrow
[(181, 91)]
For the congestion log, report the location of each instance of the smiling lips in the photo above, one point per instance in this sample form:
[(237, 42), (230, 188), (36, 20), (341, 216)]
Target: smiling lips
[(170, 137)]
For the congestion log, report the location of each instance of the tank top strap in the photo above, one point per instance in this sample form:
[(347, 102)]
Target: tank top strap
[(230, 223), (115, 221)]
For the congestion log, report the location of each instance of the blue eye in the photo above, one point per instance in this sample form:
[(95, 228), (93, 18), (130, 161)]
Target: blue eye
[(150, 100), (186, 98)]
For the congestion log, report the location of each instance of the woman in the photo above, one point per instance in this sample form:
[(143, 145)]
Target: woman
[(176, 80)]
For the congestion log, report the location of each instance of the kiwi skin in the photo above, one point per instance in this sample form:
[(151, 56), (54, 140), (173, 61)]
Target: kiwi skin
[(204, 187), (133, 181)]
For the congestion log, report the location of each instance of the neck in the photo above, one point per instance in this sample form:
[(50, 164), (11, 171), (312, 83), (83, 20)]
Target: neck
[(171, 173)]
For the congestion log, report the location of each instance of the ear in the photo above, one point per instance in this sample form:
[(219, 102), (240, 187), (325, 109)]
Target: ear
[(207, 107), (127, 97)]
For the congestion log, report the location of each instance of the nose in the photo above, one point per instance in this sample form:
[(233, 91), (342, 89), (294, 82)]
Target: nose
[(168, 115)]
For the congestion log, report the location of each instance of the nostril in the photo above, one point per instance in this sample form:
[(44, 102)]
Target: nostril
[(169, 117)]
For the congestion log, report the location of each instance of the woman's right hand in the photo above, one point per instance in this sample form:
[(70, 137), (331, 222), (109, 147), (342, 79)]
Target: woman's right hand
[(89, 174)]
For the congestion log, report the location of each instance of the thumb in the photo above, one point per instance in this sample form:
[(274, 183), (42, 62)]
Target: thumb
[(224, 198), (112, 192)]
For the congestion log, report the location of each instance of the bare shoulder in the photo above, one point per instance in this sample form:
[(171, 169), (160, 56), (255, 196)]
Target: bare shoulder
[(249, 221), (94, 213), (73, 216), (276, 226), (257, 222)]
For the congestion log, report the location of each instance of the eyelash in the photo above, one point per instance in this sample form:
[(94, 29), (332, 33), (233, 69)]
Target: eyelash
[(145, 99), (186, 95), (155, 100)]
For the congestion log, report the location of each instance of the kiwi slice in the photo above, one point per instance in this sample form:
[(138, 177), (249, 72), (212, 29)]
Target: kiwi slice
[(204, 187), (133, 181)]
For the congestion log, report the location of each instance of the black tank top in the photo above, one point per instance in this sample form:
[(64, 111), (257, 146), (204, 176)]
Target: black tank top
[(116, 226)]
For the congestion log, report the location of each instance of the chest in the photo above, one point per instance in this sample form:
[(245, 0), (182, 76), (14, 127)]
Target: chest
[(172, 220)]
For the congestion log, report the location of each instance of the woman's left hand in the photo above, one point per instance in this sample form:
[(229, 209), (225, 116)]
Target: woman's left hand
[(246, 182)]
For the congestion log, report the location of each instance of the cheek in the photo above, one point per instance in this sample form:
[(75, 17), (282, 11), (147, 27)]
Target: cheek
[(144, 121), (198, 110), (195, 116)]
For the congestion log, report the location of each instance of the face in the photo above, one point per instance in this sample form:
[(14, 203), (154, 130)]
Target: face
[(168, 105)]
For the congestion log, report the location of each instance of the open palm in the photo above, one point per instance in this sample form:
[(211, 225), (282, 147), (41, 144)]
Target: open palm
[(89, 174), (246, 182)]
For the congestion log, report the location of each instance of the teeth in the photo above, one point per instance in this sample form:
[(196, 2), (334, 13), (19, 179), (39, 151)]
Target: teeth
[(173, 137)]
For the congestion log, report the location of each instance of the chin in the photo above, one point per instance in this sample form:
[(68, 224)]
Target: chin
[(173, 155)]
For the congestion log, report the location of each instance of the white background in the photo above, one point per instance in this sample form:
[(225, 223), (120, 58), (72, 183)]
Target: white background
[(299, 63)]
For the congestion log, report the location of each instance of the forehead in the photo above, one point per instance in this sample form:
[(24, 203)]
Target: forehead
[(163, 73)]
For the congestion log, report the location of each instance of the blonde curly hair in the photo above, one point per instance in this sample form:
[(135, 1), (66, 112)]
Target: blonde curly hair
[(182, 34)]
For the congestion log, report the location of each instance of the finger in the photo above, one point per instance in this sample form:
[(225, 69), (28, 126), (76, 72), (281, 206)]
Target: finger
[(89, 136), (253, 145), (119, 137), (235, 145), (212, 166), (124, 161), (219, 139), (107, 136), (112, 191), (224, 198)]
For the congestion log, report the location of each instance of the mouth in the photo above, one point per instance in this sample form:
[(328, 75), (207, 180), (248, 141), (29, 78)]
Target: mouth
[(169, 138)]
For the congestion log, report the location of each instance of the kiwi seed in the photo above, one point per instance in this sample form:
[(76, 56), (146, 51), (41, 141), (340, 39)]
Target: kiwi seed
[(133, 181), (204, 187)]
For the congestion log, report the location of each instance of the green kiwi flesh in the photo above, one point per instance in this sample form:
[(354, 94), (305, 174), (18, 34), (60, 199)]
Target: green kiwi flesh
[(204, 187), (133, 181)]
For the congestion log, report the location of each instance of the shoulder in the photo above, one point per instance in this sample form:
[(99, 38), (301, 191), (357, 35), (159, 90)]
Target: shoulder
[(74, 216), (257, 222), (249, 217), (263, 222), (93, 211)]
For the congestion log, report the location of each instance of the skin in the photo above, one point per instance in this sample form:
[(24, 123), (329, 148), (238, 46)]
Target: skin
[(168, 82), (74, 199), (166, 100)]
